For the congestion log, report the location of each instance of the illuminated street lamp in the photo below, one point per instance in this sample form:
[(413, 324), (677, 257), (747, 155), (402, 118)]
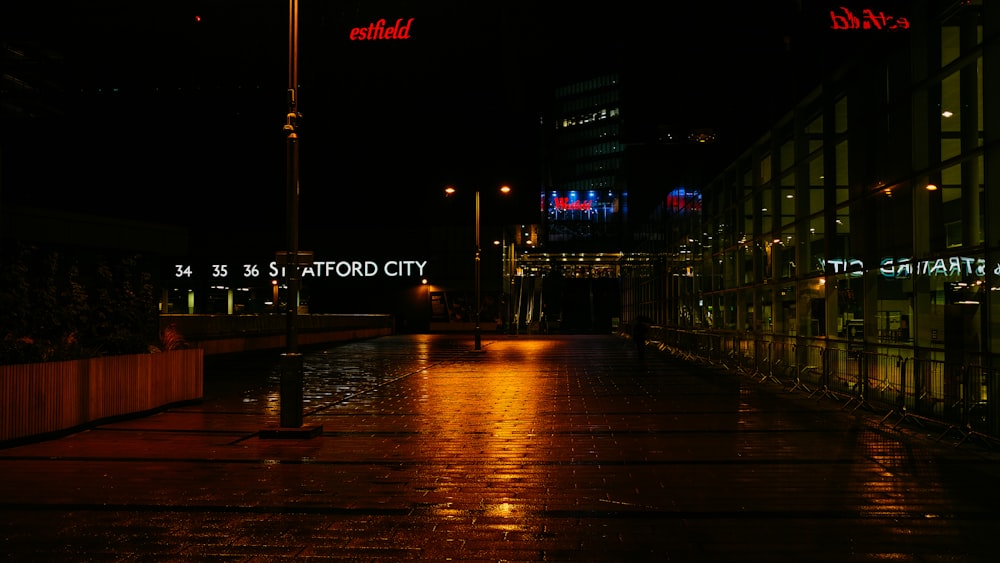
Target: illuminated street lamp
[(478, 306)]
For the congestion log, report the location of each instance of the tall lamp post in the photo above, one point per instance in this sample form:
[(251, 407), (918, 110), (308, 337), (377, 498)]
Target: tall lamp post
[(291, 386), (478, 306), (291, 383)]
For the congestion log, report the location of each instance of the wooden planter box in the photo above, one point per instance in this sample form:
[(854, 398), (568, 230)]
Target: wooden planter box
[(38, 399)]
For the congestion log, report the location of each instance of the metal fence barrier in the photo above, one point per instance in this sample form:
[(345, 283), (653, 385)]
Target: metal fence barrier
[(960, 398)]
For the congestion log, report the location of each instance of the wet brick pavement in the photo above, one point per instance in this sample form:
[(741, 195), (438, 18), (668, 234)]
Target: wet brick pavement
[(553, 448)]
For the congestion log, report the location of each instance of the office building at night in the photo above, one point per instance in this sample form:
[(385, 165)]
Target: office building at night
[(585, 202), (567, 266)]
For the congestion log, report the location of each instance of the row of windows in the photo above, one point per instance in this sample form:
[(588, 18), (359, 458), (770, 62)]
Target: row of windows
[(587, 184), (604, 131), (589, 151), (590, 167), (588, 116)]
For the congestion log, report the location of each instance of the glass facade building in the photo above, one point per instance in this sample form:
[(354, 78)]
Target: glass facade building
[(585, 196), (585, 199), (864, 220), (565, 270)]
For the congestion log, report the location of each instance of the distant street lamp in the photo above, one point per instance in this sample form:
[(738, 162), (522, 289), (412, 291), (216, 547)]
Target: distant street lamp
[(478, 305)]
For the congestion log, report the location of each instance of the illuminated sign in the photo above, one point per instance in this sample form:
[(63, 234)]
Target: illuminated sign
[(565, 204), (901, 268), (379, 30), (953, 266), (583, 205), (867, 19), (316, 269), (680, 200), (839, 265)]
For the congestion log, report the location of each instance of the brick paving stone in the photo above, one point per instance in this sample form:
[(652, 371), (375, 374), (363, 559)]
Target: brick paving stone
[(554, 448)]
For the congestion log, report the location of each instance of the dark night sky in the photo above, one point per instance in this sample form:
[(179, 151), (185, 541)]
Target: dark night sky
[(181, 119)]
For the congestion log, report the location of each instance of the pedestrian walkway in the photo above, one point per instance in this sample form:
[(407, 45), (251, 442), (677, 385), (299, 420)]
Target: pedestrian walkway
[(547, 448)]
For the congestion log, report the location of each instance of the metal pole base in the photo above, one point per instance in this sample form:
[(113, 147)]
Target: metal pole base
[(291, 402)]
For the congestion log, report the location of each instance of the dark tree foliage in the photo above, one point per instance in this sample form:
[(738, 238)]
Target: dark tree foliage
[(57, 305)]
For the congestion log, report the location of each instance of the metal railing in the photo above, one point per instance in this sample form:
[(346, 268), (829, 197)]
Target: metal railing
[(904, 384)]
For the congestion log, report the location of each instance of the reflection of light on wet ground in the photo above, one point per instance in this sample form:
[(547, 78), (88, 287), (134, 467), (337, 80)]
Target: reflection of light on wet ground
[(330, 376), (880, 482), (272, 403), (487, 411), (503, 509)]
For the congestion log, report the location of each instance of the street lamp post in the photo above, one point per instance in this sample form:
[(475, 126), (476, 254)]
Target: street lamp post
[(479, 303), (478, 334), (291, 373), (291, 384)]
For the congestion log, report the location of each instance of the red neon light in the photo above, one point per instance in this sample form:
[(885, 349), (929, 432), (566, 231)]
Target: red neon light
[(867, 20), (564, 204), (379, 30)]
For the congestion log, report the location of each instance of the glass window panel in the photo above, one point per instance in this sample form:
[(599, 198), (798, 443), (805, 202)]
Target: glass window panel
[(816, 184), (767, 211), (813, 292), (729, 301), (840, 115), (749, 323), (950, 103), (765, 168), (951, 205), (787, 155), (979, 94), (729, 270), (814, 132), (815, 126), (787, 205), (767, 320), (841, 258), (816, 197), (785, 248), (748, 215), (949, 44), (784, 315), (746, 256), (815, 245), (950, 147), (841, 173)]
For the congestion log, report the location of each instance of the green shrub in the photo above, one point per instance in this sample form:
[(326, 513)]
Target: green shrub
[(57, 305)]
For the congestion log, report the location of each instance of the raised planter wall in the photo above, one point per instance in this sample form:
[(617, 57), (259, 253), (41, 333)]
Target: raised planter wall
[(51, 397), (230, 334)]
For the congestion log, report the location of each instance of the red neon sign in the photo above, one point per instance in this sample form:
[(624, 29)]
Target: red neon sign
[(564, 204), (868, 19), (379, 30)]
